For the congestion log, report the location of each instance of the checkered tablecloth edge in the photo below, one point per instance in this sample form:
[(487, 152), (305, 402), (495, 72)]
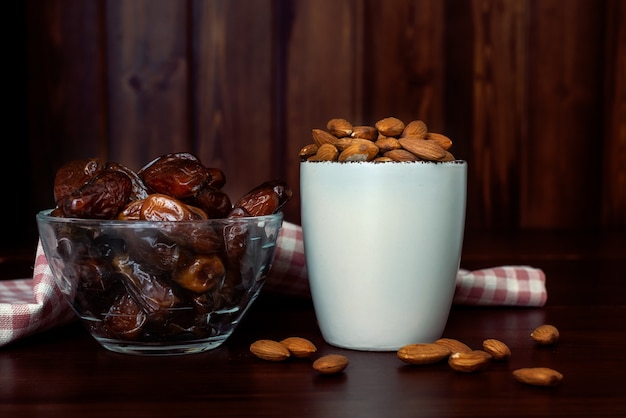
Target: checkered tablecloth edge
[(32, 305)]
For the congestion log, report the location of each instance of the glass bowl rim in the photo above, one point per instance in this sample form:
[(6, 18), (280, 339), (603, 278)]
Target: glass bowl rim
[(44, 216)]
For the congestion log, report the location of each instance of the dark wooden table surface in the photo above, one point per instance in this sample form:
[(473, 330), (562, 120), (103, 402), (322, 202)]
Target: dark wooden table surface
[(64, 372)]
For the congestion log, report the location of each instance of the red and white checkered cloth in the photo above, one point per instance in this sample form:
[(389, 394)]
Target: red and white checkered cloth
[(28, 306)]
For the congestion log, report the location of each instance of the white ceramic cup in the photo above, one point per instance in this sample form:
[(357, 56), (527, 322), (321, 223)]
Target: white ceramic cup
[(383, 244)]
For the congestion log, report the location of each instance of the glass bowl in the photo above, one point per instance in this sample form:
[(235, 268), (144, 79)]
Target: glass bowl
[(160, 287)]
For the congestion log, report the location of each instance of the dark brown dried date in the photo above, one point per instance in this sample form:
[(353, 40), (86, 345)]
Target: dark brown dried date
[(149, 290), (217, 178), (204, 273), (213, 201), (139, 190), (71, 176), (161, 207), (125, 318), (265, 199), (178, 175), (101, 197)]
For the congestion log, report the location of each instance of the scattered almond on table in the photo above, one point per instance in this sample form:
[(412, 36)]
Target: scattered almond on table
[(545, 334), (299, 347), (460, 356), (538, 376), (469, 362), (270, 350), (497, 349), (331, 364)]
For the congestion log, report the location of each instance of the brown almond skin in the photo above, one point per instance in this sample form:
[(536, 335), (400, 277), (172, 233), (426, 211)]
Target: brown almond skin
[(307, 151), (390, 126), (497, 349), (387, 143), (365, 132), (331, 364), (416, 128), (545, 334), (426, 150), (401, 155), (359, 151), (538, 376), (441, 140), (269, 350), (469, 362), (423, 353), (321, 137), (339, 127), (299, 347), (327, 152), (449, 157), (454, 345)]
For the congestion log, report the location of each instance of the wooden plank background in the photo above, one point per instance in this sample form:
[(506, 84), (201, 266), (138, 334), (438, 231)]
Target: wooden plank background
[(533, 93)]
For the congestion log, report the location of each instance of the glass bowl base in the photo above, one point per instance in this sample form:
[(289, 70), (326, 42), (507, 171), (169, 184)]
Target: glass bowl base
[(162, 349)]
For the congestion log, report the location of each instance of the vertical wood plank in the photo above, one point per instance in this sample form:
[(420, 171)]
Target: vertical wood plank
[(498, 111), (65, 88), (232, 95), (403, 63), (614, 174), (322, 75), (561, 186), (147, 79)]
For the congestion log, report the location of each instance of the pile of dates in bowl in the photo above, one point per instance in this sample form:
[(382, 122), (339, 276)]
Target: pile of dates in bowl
[(159, 261)]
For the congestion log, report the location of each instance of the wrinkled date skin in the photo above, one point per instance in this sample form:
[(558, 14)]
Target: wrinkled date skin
[(178, 175), (265, 199), (101, 197), (147, 286), (139, 189), (215, 202), (73, 175)]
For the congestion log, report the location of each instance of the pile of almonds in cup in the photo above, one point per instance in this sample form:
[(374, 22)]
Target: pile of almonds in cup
[(389, 140), (460, 357)]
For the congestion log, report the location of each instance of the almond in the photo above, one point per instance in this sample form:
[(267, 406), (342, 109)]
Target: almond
[(427, 150), (423, 353), (469, 362), (359, 151), (308, 150), (269, 350), (326, 152), (497, 349), (331, 364), (441, 140), (299, 347), (455, 346), (387, 143), (416, 128), (545, 334), (401, 155), (339, 127), (390, 126), (448, 157), (343, 143), (365, 132), (321, 137), (538, 376)]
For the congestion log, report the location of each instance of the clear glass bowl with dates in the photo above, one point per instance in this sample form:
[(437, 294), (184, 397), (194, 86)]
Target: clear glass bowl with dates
[(159, 261), (160, 288)]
